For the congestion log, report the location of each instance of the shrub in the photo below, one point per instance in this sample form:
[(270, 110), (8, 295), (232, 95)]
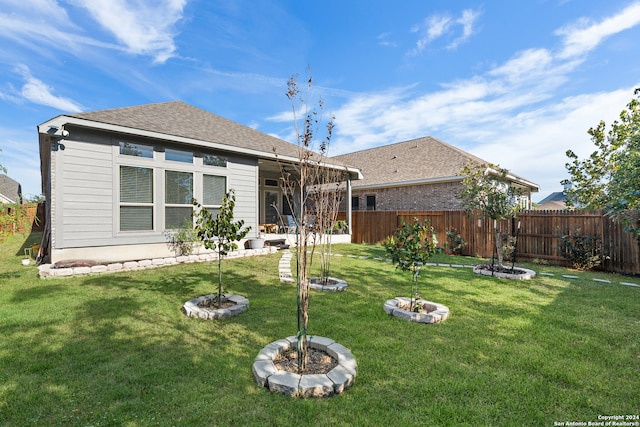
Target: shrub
[(455, 242), (583, 252), (508, 246), (182, 240), (540, 261), (409, 249)]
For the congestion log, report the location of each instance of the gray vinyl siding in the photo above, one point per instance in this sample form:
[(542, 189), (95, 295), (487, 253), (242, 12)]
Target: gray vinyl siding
[(243, 178), (85, 207), (85, 170)]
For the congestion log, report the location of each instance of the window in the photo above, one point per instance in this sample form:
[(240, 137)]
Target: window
[(136, 198), (178, 155), (214, 160), (371, 203), (138, 150), (178, 197), (355, 203), (213, 190)]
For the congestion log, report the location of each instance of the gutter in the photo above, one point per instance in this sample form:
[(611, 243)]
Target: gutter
[(62, 120)]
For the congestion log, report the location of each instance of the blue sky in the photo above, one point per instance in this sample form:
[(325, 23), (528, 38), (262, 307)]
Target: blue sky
[(516, 83)]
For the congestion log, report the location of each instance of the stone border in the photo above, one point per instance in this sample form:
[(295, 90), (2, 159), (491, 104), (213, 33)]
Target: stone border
[(191, 308), (47, 270), (335, 381), (437, 314), (528, 274), (335, 284)]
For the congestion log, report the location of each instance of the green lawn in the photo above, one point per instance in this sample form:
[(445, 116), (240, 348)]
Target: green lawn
[(115, 350)]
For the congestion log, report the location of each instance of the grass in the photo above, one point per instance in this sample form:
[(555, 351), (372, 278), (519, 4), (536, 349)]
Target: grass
[(115, 350)]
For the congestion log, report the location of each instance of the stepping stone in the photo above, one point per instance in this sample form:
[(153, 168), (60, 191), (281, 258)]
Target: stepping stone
[(629, 284)]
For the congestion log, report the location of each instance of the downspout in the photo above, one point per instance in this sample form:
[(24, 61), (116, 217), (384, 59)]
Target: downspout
[(349, 207)]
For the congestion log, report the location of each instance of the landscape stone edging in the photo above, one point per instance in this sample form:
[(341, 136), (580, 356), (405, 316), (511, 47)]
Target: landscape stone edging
[(438, 312), (192, 309), (336, 284), (335, 381), (528, 274), (47, 270)]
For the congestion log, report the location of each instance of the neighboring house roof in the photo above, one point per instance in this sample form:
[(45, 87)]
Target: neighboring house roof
[(418, 161), (10, 190), (554, 201), (184, 123)]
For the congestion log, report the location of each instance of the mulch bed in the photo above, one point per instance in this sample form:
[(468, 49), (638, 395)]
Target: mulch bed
[(212, 304), (318, 362), (500, 269)]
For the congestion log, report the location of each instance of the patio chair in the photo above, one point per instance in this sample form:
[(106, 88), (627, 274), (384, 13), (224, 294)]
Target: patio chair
[(289, 224)]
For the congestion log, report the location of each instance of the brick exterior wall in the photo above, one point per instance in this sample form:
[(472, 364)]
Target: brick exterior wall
[(439, 196)]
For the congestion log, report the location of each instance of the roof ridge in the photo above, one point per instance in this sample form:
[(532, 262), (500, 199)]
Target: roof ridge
[(129, 107), (384, 146)]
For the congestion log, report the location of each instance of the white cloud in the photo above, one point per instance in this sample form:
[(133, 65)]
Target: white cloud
[(383, 40), (443, 25), (37, 8), (145, 28), (38, 92), (140, 28), (533, 144), (44, 27), (20, 156), (509, 115), (584, 35), (467, 20)]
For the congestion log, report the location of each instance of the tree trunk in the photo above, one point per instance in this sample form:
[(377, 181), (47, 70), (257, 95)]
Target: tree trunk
[(496, 239), (303, 297), (219, 280)]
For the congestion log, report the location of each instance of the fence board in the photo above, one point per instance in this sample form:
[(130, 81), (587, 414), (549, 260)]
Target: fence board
[(539, 236)]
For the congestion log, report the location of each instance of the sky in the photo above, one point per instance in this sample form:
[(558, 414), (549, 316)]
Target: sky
[(516, 83)]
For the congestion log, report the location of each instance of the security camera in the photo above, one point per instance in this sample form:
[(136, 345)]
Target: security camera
[(65, 133)]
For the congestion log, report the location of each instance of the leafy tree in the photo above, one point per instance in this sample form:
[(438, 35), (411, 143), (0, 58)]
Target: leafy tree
[(409, 249), (487, 189), (220, 233), (610, 177)]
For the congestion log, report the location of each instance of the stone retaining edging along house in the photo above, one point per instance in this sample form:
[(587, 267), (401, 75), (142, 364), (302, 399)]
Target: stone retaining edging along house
[(48, 270)]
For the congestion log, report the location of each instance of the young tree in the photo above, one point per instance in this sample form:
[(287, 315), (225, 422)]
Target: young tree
[(324, 201), (304, 185), (610, 177), (220, 233), (409, 248), (487, 189)]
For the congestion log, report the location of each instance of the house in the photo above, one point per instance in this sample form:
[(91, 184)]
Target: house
[(116, 180), (10, 191), (420, 174)]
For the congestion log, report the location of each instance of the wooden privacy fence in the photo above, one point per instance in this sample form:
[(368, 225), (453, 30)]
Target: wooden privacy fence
[(539, 236), (21, 218)]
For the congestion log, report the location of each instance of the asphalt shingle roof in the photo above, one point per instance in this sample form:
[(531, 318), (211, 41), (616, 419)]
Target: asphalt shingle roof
[(177, 118), (420, 159), (10, 188)]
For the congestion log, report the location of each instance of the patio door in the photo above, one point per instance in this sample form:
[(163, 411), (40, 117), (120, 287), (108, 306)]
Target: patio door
[(268, 214)]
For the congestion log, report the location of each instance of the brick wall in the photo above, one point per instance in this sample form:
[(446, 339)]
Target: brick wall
[(439, 196)]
